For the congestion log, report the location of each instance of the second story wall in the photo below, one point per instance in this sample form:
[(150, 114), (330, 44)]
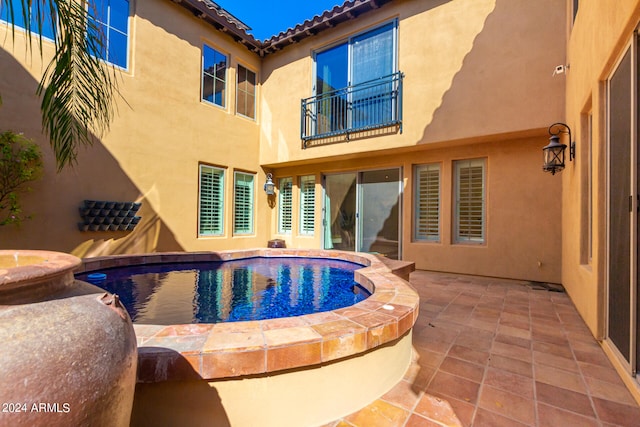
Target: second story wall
[(162, 132), (472, 69)]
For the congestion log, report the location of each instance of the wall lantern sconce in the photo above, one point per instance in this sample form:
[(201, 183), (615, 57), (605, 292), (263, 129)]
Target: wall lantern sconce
[(269, 186), (553, 154)]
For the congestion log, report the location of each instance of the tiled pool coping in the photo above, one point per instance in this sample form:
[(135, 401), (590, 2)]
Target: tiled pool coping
[(227, 350)]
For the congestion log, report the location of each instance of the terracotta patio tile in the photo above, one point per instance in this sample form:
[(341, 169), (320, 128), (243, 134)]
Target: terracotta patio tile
[(293, 356), (419, 421), (592, 357), (450, 385), (509, 381), (564, 399), (290, 336), (343, 346), (438, 410), (604, 373), (560, 378), (513, 340), (507, 404), (403, 394), (469, 354), (550, 416), (511, 365), (555, 361), (617, 413), (379, 414), (511, 351), (230, 364), (477, 339), (487, 418), (462, 369), (555, 349), (609, 391)]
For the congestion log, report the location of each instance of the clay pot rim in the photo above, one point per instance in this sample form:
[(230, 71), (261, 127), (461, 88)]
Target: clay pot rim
[(53, 264)]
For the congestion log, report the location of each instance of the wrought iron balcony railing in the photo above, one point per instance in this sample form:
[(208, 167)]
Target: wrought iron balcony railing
[(366, 106)]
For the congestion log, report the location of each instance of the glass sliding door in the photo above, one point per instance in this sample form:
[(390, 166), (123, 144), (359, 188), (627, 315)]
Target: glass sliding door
[(379, 212), (362, 212), (340, 212)]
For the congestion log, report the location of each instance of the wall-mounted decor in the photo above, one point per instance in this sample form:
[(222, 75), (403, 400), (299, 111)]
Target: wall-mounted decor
[(98, 215)]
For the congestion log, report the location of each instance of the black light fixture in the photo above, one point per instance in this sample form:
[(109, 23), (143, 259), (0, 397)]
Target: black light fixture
[(553, 154), (269, 186)]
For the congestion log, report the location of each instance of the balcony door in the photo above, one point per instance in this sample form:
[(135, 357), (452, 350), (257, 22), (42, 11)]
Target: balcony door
[(362, 212), (365, 57)]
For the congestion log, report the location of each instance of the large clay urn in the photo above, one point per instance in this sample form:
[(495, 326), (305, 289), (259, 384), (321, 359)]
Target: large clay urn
[(68, 352)]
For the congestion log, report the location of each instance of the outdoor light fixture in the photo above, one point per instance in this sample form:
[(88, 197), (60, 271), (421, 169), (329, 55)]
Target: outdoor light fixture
[(269, 186), (553, 153)]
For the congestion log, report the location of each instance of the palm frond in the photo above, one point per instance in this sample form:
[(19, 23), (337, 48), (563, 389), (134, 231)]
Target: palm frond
[(77, 88)]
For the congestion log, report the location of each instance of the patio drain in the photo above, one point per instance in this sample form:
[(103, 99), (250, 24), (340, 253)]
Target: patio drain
[(543, 286)]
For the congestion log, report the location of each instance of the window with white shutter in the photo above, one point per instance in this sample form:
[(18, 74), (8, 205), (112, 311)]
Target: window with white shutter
[(307, 204), (285, 197), (243, 191), (427, 203), (469, 201), (211, 201)]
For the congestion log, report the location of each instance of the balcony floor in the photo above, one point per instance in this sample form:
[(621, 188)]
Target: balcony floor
[(494, 352)]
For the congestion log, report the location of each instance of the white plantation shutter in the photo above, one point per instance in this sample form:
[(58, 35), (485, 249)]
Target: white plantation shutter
[(243, 203), (285, 205), (470, 200), (211, 201), (427, 204), (307, 204)]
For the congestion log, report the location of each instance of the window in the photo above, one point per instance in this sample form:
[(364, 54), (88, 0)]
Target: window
[(356, 86), (111, 20), (285, 205), (214, 76), (307, 204), (469, 201), (427, 203), (243, 203), (38, 10), (246, 93), (211, 201)]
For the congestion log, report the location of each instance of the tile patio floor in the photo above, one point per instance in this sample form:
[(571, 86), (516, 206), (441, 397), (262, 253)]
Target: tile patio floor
[(494, 352)]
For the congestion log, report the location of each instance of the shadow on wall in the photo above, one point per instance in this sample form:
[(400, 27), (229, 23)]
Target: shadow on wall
[(190, 401), (504, 81), (54, 200)]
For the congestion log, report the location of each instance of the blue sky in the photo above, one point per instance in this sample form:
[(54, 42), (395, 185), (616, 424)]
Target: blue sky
[(268, 18)]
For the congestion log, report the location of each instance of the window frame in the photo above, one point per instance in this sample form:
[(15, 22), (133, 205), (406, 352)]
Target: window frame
[(221, 203), (240, 91), (284, 204), (49, 33), (225, 81), (427, 236), (307, 196), (247, 203), (458, 238), (101, 25)]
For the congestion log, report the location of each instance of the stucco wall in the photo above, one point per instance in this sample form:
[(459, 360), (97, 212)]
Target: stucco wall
[(599, 36), (160, 132), (523, 234), (473, 68)]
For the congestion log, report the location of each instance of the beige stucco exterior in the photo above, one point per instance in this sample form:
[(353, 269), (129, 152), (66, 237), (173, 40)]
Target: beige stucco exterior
[(597, 39), (479, 82), (477, 85)]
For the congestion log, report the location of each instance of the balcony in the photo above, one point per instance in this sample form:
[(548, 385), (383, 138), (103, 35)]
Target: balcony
[(367, 106)]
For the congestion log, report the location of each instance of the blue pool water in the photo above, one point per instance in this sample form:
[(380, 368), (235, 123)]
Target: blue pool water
[(231, 291)]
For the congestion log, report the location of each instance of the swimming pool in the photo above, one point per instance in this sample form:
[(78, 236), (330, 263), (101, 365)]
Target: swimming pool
[(231, 291), (210, 373)]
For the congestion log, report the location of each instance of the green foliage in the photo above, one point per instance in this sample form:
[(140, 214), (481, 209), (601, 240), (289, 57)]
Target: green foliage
[(20, 163)]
